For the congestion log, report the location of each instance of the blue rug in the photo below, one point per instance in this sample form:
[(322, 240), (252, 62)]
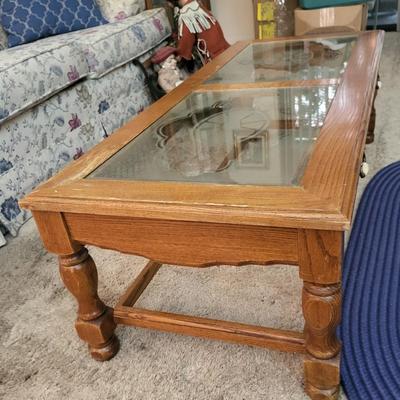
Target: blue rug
[(370, 329)]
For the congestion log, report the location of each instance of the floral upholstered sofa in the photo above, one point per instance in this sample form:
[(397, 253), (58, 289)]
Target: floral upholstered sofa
[(61, 95)]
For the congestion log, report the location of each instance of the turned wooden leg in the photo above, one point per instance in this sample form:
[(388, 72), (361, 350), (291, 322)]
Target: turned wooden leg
[(321, 308), (95, 324), (320, 260)]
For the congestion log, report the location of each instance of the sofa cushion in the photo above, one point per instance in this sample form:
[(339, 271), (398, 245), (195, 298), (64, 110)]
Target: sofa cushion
[(117, 10), (110, 46), (33, 72), (28, 20), (3, 39)]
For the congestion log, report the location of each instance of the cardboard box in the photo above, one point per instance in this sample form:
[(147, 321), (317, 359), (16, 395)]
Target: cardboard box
[(331, 20)]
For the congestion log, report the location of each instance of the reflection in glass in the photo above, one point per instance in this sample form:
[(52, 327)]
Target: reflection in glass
[(256, 137), (282, 61)]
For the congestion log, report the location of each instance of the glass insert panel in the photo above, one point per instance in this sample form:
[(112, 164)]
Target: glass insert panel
[(282, 61), (255, 137)]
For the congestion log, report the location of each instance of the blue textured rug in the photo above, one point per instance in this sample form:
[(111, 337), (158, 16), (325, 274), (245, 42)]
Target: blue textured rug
[(370, 329)]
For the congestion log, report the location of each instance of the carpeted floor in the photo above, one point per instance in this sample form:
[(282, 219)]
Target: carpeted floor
[(42, 358)]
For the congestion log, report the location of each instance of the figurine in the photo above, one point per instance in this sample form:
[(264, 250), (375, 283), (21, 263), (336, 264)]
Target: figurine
[(169, 76), (198, 27)]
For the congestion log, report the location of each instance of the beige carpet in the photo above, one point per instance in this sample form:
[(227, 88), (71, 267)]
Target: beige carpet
[(42, 358)]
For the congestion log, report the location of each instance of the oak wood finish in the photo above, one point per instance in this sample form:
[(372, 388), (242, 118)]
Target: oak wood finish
[(213, 329), (193, 244), (139, 285), (124, 313), (200, 225), (320, 258), (279, 207), (95, 324), (222, 87), (54, 233), (322, 378), (321, 309), (337, 181), (325, 200)]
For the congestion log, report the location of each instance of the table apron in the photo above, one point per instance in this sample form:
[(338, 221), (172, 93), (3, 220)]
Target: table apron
[(186, 243)]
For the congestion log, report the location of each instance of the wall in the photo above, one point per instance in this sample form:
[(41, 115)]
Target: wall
[(236, 18)]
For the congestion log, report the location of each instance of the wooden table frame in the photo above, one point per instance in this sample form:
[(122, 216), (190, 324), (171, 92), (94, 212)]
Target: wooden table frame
[(192, 225)]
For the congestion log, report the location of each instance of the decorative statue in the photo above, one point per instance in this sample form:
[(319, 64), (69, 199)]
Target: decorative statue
[(198, 28), (169, 76), (198, 31)]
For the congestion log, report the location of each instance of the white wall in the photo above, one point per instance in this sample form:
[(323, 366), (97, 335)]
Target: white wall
[(236, 18)]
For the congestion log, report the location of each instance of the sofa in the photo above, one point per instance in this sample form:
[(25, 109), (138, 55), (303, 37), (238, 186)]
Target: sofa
[(61, 95)]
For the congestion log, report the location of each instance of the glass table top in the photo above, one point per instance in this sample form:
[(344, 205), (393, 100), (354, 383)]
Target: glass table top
[(282, 61), (249, 136), (242, 136)]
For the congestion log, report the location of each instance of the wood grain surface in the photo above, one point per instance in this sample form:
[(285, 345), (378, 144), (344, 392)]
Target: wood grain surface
[(186, 243), (322, 378), (342, 140), (320, 256), (325, 200), (95, 324), (213, 329), (200, 225), (138, 286), (222, 87)]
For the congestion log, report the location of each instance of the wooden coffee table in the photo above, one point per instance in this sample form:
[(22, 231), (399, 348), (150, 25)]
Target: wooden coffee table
[(254, 160)]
